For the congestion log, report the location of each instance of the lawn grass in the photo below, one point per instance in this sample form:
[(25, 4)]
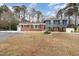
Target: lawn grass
[(37, 43)]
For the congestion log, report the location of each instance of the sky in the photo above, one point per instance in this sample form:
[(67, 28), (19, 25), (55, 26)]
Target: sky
[(48, 9)]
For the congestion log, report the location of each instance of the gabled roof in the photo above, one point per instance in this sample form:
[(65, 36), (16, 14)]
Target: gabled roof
[(53, 18)]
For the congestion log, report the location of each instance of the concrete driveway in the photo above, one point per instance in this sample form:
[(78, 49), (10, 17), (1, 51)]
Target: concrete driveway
[(5, 34)]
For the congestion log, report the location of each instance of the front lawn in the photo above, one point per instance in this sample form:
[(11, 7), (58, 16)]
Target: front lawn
[(40, 44)]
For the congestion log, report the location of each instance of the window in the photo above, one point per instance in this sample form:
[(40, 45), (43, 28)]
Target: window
[(56, 22), (48, 22), (64, 22), (21, 25), (27, 25), (35, 27)]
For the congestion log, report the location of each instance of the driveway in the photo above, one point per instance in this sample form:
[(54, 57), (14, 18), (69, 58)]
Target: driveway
[(5, 34)]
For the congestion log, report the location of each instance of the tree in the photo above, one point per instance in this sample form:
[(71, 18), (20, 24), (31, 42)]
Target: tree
[(23, 8), (38, 15), (4, 8), (75, 9), (69, 13), (7, 19), (1, 11), (13, 24), (59, 13), (17, 10)]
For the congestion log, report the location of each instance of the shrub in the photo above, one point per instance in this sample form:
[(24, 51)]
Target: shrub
[(72, 31), (73, 26), (47, 32)]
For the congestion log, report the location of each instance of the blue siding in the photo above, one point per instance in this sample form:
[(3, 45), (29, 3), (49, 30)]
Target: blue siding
[(56, 23)]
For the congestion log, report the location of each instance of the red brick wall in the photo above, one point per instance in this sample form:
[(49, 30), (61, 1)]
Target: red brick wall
[(42, 27), (25, 28), (55, 29), (30, 28)]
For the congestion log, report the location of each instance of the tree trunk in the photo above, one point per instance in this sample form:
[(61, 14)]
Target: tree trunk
[(0, 16), (9, 27), (24, 14), (69, 21), (38, 18), (61, 16), (75, 19), (19, 14)]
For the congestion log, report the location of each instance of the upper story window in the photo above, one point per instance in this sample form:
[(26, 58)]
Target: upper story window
[(48, 22), (56, 21), (64, 22)]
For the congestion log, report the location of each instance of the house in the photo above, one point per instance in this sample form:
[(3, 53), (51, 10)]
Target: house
[(56, 24), (37, 22)]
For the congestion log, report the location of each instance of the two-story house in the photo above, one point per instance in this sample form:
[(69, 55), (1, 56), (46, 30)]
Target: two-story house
[(56, 24)]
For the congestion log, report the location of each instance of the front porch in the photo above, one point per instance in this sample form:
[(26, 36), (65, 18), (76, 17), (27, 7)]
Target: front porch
[(32, 26)]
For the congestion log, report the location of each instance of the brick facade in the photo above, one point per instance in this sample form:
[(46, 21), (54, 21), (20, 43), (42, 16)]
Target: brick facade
[(32, 27)]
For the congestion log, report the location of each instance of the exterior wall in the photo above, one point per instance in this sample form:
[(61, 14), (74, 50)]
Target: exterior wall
[(31, 27), (43, 26), (24, 28), (51, 24), (55, 29), (55, 25)]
